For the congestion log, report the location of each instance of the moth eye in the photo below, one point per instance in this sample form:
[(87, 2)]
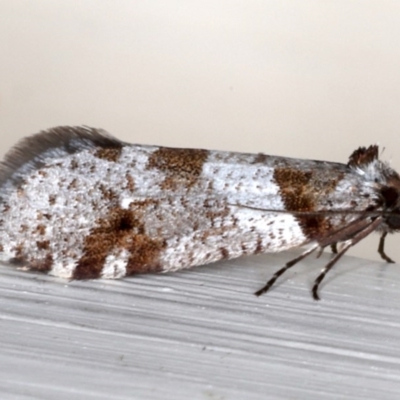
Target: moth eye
[(390, 195)]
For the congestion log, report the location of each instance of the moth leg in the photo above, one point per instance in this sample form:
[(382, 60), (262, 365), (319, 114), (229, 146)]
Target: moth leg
[(381, 250), (320, 251), (288, 265), (354, 240), (333, 248), (326, 270)]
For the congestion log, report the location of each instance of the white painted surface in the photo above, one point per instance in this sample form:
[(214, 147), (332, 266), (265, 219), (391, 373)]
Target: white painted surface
[(201, 334)]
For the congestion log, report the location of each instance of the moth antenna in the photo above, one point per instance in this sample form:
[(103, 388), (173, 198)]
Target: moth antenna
[(281, 271), (326, 269), (381, 247), (356, 238), (369, 213)]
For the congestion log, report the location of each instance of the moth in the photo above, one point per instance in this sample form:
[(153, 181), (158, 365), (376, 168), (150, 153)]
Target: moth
[(78, 203)]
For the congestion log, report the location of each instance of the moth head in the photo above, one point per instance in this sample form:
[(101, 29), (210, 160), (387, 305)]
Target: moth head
[(365, 162)]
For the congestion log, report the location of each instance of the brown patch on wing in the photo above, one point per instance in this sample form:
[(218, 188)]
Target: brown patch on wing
[(121, 229), (224, 253), (180, 165), (40, 229), (300, 191), (43, 244), (73, 185), (19, 251), (109, 154), (73, 164), (260, 158), (259, 247), (107, 193), (42, 265), (130, 182)]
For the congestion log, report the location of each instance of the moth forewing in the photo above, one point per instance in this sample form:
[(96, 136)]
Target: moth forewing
[(78, 203)]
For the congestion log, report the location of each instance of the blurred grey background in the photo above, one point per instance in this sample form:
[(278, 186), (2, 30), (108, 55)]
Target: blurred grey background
[(307, 79)]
